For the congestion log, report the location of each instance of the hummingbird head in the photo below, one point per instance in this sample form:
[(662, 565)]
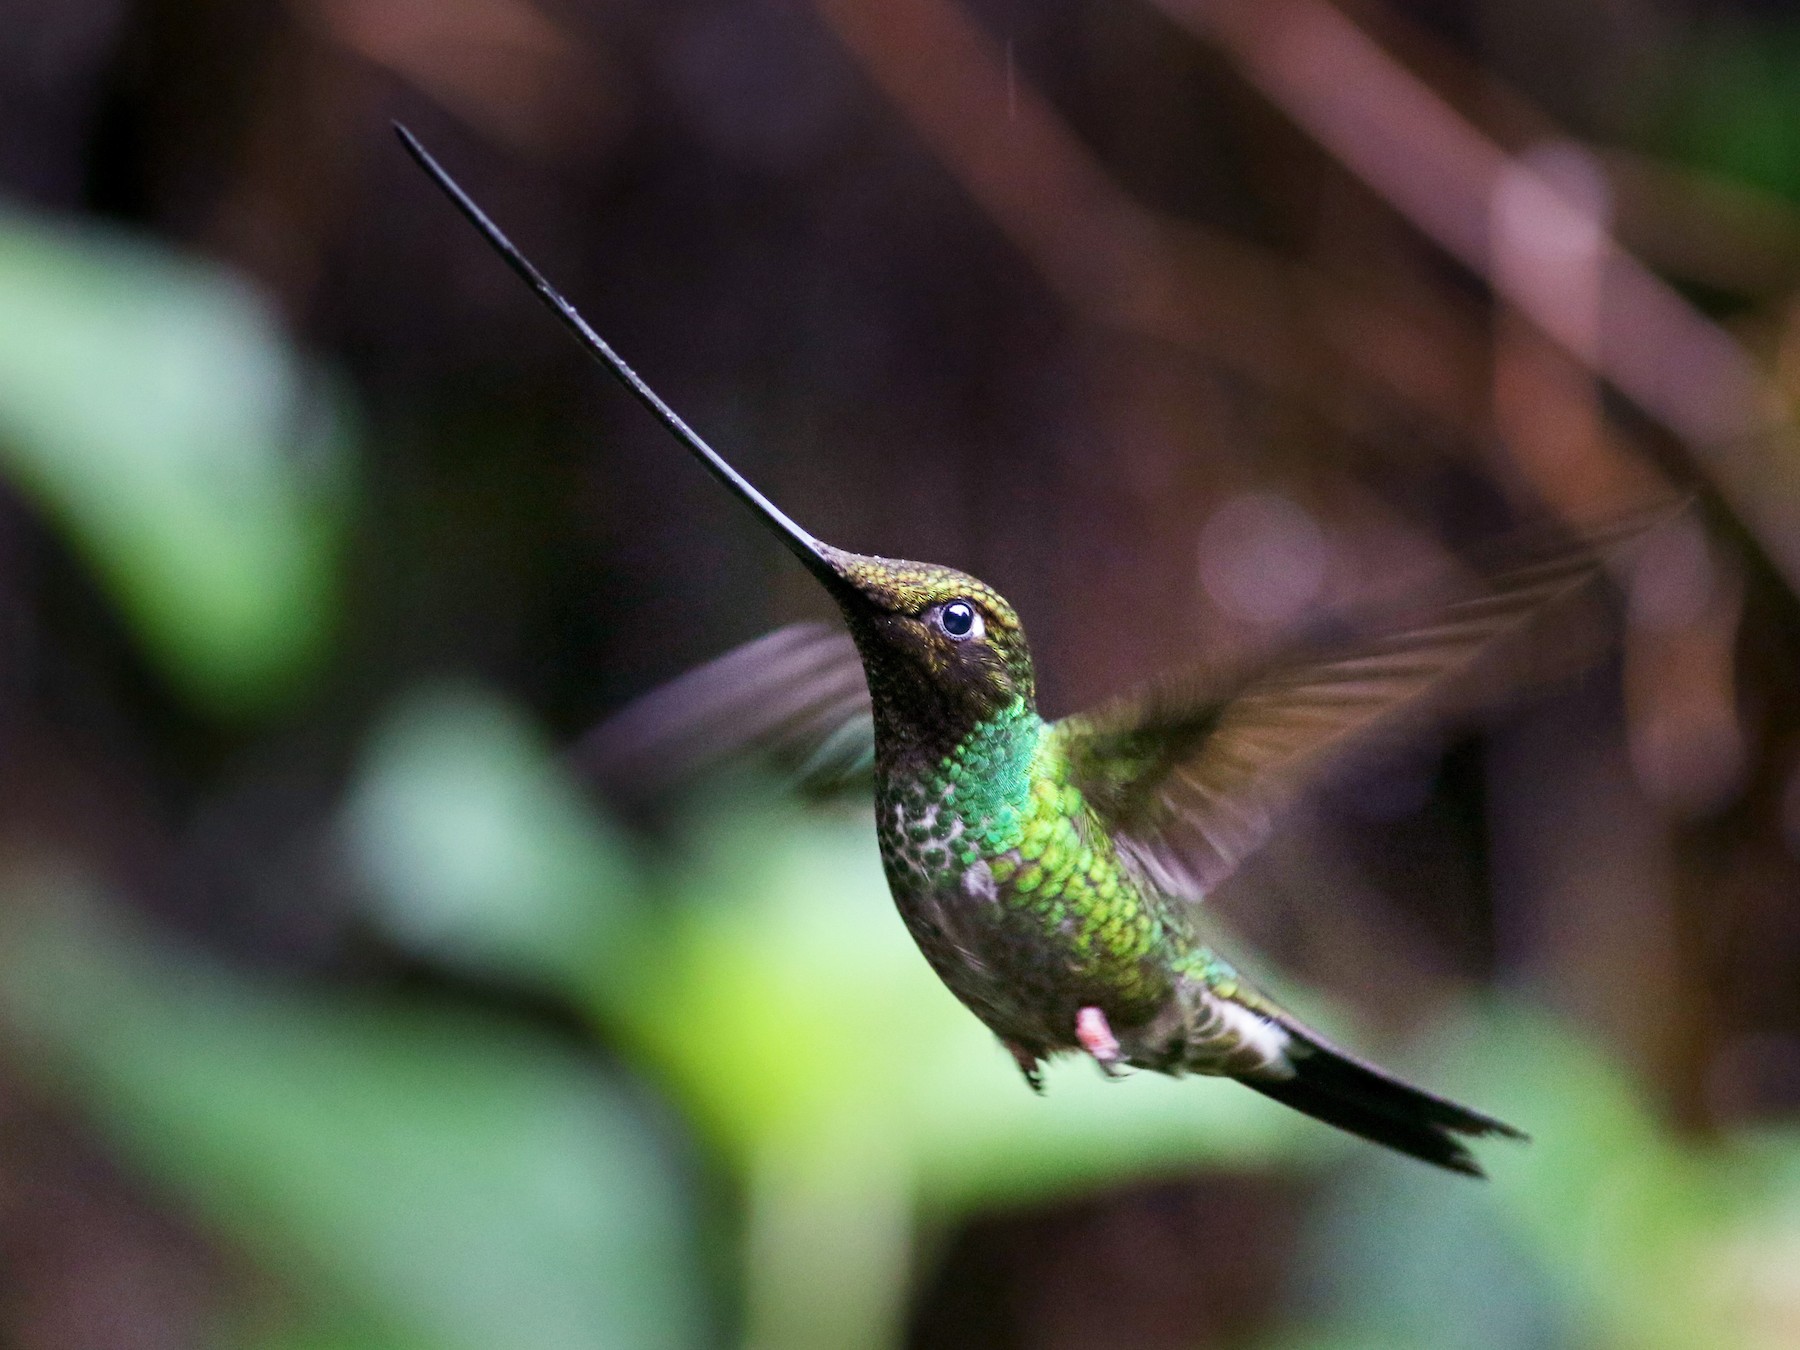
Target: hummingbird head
[(941, 650)]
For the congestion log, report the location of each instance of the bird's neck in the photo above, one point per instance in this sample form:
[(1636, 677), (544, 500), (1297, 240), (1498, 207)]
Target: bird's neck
[(984, 777)]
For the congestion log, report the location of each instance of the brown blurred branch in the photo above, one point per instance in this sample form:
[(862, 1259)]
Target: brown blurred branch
[(1122, 265), (1441, 172), (1115, 262)]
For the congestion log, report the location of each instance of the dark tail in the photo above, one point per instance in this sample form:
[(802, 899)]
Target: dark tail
[(1339, 1089)]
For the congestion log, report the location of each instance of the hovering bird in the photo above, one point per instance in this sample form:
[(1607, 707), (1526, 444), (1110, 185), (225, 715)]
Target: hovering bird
[(1049, 871)]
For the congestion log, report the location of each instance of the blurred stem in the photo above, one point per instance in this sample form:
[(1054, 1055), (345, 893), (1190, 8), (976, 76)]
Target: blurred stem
[(828, 1254)]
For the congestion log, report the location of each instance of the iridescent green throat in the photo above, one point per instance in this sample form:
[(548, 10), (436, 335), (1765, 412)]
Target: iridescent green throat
[(985, 783), (973, 803)]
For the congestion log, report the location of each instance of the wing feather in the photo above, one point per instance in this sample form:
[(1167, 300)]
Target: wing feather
[(793, 701), (1192, 772)]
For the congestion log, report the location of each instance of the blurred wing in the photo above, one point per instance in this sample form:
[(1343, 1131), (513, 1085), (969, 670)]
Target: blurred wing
[(794, 701), (1190, 776)]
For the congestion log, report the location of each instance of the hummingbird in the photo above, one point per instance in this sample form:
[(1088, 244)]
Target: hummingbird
[(1050, 871)]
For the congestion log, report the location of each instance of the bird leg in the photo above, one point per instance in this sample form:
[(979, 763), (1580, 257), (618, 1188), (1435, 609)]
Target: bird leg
[(1028, 1065), (1096, 1037)]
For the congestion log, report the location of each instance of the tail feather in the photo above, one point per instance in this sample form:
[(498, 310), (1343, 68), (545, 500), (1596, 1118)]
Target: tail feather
[(1336, 1087)]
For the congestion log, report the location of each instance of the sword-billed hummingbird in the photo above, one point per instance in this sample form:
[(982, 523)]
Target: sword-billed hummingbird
[(1049, 871)]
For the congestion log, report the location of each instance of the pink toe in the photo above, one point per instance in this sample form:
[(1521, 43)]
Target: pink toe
[(1095, 1035)]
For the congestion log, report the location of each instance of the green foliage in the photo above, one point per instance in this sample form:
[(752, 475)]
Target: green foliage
[(474, 851), (764, 979), (452, 1181), (770, 982), (759, 975), (1608, 1231), (150, 406)]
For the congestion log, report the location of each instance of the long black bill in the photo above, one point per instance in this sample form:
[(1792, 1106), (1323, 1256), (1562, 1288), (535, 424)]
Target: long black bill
[(803, 545)]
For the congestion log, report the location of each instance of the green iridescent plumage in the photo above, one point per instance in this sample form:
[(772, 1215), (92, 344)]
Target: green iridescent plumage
[(1049, 871), (1051, 915)]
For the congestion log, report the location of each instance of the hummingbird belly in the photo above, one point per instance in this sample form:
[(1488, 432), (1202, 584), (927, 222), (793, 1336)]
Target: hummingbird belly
[(1025, 912)]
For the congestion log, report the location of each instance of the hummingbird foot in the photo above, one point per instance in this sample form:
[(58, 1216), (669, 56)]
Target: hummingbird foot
[(1028, 1065), (1096, 1037)]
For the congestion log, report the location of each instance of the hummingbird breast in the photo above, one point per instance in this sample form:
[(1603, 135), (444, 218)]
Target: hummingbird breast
[(1013, 890)]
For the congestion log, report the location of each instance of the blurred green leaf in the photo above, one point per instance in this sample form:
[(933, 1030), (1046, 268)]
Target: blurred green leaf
[(474, 853), (153, 408), (336, 1327), (1612, 1206), (456, 1179), (1606, 1231), (1394, 1253)]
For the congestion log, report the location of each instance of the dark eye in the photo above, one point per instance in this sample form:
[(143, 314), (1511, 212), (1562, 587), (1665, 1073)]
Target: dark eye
[(959, 619)]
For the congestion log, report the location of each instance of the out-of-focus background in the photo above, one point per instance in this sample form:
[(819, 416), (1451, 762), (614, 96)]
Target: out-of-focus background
[(336, 1013)]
